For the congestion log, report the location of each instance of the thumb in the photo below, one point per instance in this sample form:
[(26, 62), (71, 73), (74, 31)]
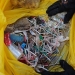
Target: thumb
[(68, 16)]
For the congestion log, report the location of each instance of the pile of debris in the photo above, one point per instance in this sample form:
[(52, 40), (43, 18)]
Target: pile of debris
[(35, 41)]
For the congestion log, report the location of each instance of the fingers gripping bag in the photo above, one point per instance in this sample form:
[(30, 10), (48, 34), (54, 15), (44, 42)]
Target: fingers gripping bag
[(9, 15)]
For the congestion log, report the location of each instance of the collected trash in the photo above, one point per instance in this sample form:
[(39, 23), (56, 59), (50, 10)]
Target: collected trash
[(36, 42)]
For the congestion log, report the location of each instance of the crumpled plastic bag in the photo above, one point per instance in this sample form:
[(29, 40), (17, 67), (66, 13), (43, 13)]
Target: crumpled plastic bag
[(9, 64)]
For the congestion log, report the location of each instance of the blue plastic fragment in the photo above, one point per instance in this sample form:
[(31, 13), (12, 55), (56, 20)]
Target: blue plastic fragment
[(16, 38), (23, 45)]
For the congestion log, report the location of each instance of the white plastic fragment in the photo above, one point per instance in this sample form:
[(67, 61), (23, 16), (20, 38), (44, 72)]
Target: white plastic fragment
[(15, 51), (32, 33)]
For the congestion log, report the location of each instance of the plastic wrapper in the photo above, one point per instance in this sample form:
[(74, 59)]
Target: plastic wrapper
[(21, 24)]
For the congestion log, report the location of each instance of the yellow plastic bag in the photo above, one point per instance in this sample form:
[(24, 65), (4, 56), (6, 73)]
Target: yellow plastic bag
[(9, 65), (71, 55)]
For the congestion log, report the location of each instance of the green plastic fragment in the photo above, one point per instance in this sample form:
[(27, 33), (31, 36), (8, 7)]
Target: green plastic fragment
[(40, 37)]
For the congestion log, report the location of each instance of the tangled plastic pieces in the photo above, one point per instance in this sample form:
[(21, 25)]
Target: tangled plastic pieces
[(36, 42)]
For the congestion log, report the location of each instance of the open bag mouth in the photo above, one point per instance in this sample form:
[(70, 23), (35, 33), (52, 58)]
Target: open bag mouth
[(36, 41)]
